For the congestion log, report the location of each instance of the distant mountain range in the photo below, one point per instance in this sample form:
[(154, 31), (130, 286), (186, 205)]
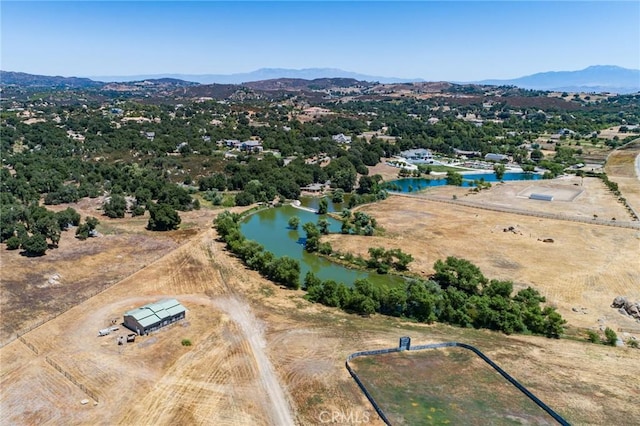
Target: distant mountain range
[(260, 75), (597, 78), (32, 80)]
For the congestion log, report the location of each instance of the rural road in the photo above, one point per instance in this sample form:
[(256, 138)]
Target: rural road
[(240, 312)]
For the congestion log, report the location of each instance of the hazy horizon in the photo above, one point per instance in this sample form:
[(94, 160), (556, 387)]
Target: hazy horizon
[(453, 41)]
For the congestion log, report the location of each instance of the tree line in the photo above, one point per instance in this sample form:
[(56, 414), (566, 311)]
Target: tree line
[(458, 293)]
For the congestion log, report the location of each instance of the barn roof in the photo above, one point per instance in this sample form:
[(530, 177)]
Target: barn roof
[(155, 312)]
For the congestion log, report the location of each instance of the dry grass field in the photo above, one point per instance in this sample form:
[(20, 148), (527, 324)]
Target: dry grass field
[(262, 355)]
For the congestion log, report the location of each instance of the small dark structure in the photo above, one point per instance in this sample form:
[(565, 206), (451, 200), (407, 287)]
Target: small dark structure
[(131, 337), (405, 343), (153, 316)]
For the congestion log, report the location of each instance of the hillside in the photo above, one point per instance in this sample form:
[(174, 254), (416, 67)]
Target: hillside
[(598, 78), (24, 79)]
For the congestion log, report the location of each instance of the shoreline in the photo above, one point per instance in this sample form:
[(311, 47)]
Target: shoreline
[(296, 204)]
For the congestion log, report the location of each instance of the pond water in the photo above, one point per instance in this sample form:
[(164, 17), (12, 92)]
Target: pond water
[(270, 227), (416, 184)]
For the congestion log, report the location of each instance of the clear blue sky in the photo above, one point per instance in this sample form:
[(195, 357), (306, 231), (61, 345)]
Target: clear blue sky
[(453, 40)]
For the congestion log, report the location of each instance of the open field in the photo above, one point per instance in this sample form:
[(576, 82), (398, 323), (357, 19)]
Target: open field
[(264, 355), (586, 266), (620, 169), (418, 388)]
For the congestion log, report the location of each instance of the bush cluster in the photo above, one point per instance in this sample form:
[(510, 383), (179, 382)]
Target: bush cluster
[(458, 294)]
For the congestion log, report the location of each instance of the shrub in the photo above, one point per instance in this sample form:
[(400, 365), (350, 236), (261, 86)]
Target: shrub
[(186, 342), (13, 243), (592, 336), (610, 336)]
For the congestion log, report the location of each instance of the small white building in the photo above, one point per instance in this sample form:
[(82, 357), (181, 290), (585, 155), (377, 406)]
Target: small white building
[(417, 155), (341, 138)]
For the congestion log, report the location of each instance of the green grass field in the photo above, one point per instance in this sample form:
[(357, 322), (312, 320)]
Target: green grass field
[(444, 386)]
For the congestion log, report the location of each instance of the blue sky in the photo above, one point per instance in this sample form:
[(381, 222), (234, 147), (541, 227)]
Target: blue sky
[(453, 40)]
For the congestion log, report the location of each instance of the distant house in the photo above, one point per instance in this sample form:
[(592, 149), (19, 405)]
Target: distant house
[(467, 154), (150, 135), (153, 316), (251, 146), (314, 187), (341, 138), (496, 157), (417, 155), (231, 143), (206, 138)]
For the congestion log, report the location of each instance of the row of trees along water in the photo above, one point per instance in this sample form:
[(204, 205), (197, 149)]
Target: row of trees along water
[(458, 293)]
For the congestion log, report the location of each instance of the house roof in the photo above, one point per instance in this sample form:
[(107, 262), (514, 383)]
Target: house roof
[(155, 312)]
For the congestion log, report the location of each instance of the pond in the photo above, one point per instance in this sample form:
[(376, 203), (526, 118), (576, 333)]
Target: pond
[(270, 227), (417, 184)]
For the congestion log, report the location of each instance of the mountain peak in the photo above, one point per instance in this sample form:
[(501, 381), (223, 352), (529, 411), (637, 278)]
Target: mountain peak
[(596, 78)]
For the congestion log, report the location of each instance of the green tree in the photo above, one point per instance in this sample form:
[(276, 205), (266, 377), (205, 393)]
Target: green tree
[(592, 336), (35, 245), (311, 280), (323, 206), (285, 270), (115, 206), (460, 274), (536, 155), (312, 242), (337, 196), (553, 323), (294, 222), (48, 227), (67, 217), (13, 243), (323, 226), (244, 198), (611, 338), (454, 178), (499, 169), (163, 217)]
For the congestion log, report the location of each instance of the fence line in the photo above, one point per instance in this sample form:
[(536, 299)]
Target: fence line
[(72, 379), (617, 224), (91, 294), (51, 316), (476, 351), (28, 344)]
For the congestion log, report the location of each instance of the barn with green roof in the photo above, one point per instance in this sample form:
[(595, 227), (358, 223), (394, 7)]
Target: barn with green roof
[(153, 316)]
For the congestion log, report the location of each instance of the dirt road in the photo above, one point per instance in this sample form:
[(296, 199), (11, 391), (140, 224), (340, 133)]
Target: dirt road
[(241, 314)]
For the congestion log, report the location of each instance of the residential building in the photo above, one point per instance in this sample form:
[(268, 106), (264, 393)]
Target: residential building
[(341, 138)]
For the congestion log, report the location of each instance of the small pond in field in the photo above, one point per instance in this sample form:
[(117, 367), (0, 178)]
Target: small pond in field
[(270, 227)]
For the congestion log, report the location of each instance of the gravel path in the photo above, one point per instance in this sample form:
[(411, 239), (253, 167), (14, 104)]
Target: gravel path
[(240, 312)]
